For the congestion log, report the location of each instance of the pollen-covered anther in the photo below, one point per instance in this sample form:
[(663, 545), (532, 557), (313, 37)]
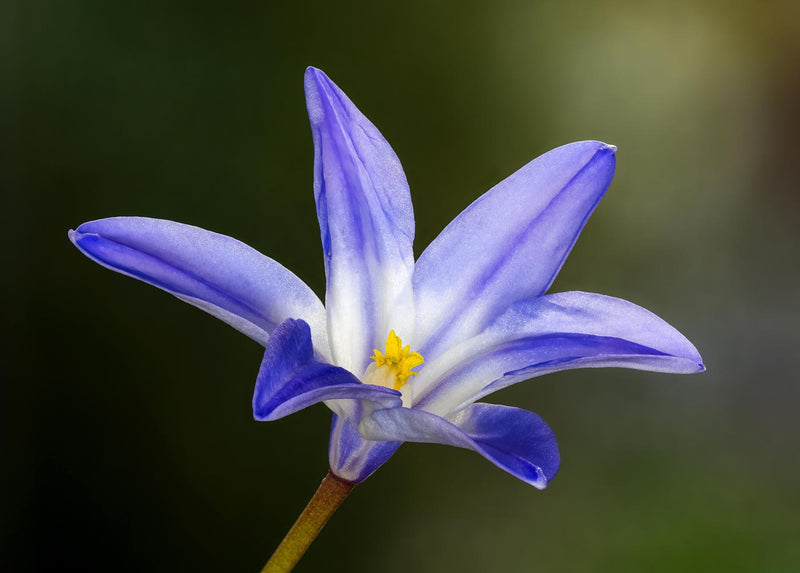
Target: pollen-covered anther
[(392, 368)]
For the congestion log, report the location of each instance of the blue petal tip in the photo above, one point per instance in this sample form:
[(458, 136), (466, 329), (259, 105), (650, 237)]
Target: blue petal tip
[(315, 74), (74, 236)]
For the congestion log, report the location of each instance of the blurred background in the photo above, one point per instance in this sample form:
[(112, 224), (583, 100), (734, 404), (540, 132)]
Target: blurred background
[(129, 442)]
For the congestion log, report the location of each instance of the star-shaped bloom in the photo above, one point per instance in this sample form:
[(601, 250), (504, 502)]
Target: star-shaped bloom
[(402, 351)]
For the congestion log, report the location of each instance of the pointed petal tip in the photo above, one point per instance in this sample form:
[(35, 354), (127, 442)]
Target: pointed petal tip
[(602, 151), (599, 146), (88, 230), (540, 482), (315, 83), (606, 151), (76, 235), (314, 73), (315, 79), (694, 358), (688, 365)]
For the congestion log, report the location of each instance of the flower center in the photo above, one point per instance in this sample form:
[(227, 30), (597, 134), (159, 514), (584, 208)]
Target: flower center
[(393, 367)]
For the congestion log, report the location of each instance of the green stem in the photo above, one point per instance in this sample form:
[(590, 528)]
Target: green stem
[(329, 496)]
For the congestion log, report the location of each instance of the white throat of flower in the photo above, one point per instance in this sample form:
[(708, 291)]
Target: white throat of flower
[(392, 368)]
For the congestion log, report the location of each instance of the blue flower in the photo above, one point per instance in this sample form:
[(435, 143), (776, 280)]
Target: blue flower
[(402, 351)]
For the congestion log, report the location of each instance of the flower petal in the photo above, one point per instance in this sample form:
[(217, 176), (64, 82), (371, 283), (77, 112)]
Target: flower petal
[(513, 439), (548, 334), (508, 245), (351, 457), (367, 226), (216, 273), (290, 379)]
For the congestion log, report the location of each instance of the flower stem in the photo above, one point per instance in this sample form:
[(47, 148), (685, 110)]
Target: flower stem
[(328, 497)]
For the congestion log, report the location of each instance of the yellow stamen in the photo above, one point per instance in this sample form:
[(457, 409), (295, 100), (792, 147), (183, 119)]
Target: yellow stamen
[(398, 359)]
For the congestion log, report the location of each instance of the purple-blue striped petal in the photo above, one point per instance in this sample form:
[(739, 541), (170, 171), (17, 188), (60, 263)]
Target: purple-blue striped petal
[(551, 333), (515, 440), (508, 245), (216, 273), (290, 379), (367, 225), (350, 456)]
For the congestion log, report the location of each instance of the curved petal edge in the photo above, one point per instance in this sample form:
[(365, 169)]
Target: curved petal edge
[(216, 273), (509, 244), (517, 441), (290, 379), (548, 334), (366, 222)]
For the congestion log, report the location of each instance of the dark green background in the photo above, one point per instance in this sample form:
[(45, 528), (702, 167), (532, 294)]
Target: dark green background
[(129, 443)]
